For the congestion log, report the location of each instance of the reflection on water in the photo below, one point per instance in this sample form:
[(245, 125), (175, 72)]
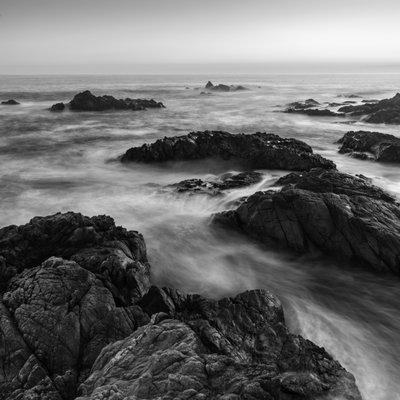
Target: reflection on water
[(59, 162)]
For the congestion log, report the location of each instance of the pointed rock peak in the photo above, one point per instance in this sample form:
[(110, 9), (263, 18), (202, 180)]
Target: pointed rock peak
[(209, 85)]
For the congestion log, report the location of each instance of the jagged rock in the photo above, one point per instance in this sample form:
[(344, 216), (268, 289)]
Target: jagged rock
[(224, 88), (339, 214), (384, 111), (116, 255), (10, 103), (62, 317), (57, 107), (255, 151), (215, 187), (234, 348), (86, 101), (371, 145)]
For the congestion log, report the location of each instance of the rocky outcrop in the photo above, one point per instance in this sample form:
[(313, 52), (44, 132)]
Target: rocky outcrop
[(57, 107), (10, 103), (371, 145), (234, 348), (385, 111), (86, 101), (255, 151), (224, 88), (339, 214), (68, 328), (116, 255), (216, 187), (302, 105)]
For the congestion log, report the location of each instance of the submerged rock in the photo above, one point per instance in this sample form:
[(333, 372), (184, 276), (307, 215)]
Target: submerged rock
[(86, 101), (384, 111), (67, 330), (339, 214), (254, 151), (234, 348), (371, 145), (10, 102), (314, 112), (216, 187)]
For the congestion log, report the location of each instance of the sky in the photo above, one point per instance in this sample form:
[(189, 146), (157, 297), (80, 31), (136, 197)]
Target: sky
[(118, 36)]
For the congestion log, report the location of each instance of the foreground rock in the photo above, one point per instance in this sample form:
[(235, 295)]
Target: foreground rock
[(385, 111), (339, 214), (224, 88), (10, 103), (216, 187), (234, 348), (86, 101), (57, 313), (68, 328), (367, 145), (255, 151)]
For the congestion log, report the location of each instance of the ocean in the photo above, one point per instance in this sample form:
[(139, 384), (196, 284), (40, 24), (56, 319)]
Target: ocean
[(65, 161)]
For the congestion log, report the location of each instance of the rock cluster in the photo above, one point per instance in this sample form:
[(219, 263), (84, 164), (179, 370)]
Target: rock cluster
[(216, 187), (86, 101), (375, 145), (253, 151), (325, 210), (78, 318), (384, 111), (224, 88), (307, 107)]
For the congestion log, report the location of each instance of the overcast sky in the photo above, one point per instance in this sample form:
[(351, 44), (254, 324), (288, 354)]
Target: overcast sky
[(116, 35)]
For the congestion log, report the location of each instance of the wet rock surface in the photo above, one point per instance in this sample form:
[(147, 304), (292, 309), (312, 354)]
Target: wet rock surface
[(384, 111), (86, 101), (216, 187), (234, 348), (339, 214), (253, 151), (68, 328), (371, 145)]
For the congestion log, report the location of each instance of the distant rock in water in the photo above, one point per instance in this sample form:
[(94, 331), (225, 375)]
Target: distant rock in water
[(215, 187), (57, 107), (78, 317), (224, 88), (86, 101), (375, 145), (341, 215), (10, 102), (255, 151), (314, 112), (233, 348), (384, 111)]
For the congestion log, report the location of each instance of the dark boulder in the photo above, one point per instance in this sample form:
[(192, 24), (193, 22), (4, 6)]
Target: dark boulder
[(116, 255), (339, 214), (86, 101), (255, 151), (10, 103), (384, 111), (371, 145), (216, 187), (57, 107), (209, 85), (234, 348)]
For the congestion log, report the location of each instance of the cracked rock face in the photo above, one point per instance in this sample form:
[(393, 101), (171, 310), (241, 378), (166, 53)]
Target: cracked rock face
[(255, 151), (379, 146), (234, 348), (336, 213), (118, 256)]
